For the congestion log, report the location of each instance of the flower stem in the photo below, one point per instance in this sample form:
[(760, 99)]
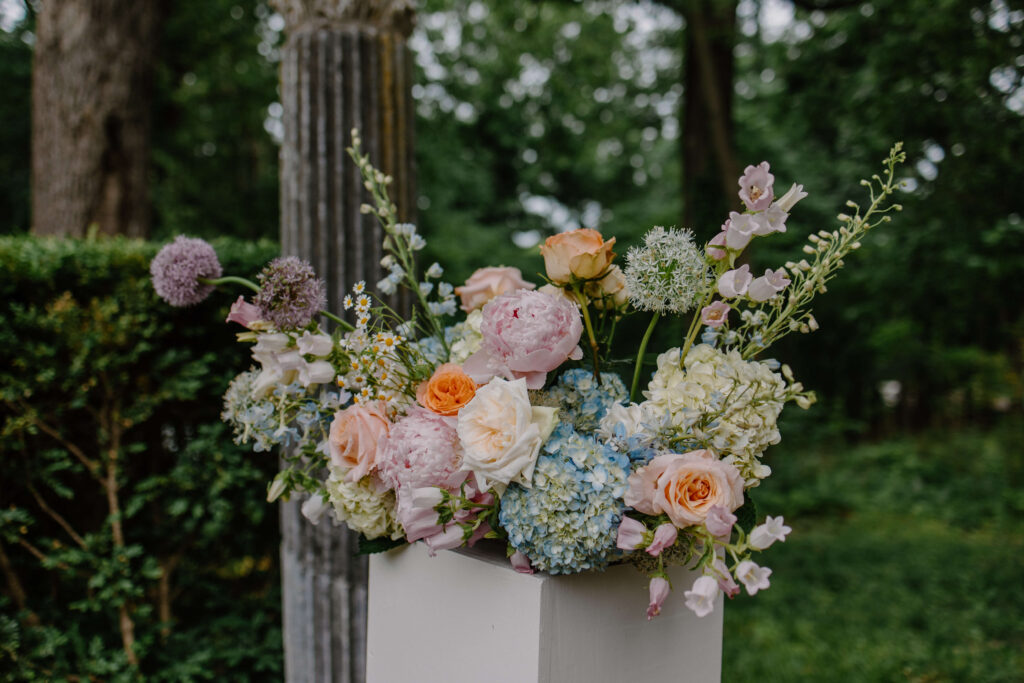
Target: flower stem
[(229, 279), (694, 327), (344, 325), (640, 357), (582, 299)]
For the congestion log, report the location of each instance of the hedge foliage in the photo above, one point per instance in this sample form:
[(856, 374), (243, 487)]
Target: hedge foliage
[(135, 541)]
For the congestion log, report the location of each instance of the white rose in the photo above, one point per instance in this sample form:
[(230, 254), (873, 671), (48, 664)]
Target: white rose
[(502, 433)]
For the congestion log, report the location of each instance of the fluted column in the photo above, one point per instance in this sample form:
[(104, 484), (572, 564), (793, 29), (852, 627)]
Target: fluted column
[(345, 65)]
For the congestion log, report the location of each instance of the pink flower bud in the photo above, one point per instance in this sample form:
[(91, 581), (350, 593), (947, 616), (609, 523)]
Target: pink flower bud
[(664, 537), (631, 534), (659, 590)]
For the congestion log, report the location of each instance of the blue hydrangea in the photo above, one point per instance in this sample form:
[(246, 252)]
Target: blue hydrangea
[(568, 520), (288, 417), (584, 402)]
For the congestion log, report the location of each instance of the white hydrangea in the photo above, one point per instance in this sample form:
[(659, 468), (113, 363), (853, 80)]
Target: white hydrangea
[(731, 403), (362, 508), (468, 336)]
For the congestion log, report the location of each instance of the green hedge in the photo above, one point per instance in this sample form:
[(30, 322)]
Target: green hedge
[(126, 513)]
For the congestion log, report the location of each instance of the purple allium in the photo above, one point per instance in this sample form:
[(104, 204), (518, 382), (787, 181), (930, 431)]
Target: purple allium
[(177, 265), (291, 294)]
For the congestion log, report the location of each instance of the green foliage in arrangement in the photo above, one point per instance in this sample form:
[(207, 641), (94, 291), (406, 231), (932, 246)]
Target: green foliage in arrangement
[(904, 563), (128, 516)]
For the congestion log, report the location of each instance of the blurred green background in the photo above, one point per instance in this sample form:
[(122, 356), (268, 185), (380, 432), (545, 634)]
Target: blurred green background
[(903, 484)]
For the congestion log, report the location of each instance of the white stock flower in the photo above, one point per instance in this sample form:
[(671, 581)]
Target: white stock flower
[(701, 598), (502, 433), (753, 577), (764, 535)]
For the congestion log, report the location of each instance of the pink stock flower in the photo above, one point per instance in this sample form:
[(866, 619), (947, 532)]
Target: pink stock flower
[(422, 449), (716, 314), (659, 590), (756, 187), (719, 521), (768, 285), (714, 246), (488, 283), (734, 283), (243, 313), (521, 563), (664, 537), (631, 534), (354, 437), (701, 598), (526, 334), (685, 487)]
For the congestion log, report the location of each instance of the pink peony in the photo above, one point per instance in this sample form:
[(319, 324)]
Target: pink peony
[(525, 335), (243, 313), (354, 438), (422, 449), (487, 283)]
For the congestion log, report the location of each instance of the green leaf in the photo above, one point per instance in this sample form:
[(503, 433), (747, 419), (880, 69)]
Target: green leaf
[(377, 545)]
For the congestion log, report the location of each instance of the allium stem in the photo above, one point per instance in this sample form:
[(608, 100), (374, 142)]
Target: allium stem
[(344, 325), (640, 357), (691, 334), (582, 299), (229, 279)]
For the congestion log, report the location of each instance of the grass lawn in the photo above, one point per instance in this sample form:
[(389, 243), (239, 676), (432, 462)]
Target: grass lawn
[(906, 562)]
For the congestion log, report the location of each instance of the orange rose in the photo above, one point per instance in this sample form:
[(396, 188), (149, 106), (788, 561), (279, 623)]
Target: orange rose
[(447, 390), (609, 291), (685, 487), (582, 254)]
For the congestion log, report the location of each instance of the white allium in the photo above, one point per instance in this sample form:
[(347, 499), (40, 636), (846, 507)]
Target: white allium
[(668, 273)]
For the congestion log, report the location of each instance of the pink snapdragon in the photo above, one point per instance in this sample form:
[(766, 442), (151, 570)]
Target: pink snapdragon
[(525, 335)]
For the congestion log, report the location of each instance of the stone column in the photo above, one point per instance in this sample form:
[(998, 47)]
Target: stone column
[(345, 65)]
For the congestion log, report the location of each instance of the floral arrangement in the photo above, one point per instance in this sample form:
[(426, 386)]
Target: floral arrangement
[(488, 412)]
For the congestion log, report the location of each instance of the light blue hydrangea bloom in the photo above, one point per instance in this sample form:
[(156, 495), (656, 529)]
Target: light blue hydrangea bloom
[(582, 401), (568, 520)]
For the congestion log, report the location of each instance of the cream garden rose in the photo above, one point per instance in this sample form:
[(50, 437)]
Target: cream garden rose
[(582, 254), (685, 486), (502, 433)]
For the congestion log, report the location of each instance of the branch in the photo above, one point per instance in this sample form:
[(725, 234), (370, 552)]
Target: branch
[(57, 518), (91, 465), (17, 591), (40, 555)]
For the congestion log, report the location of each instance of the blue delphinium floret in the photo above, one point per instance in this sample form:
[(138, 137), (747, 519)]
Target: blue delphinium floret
[(567, 521)]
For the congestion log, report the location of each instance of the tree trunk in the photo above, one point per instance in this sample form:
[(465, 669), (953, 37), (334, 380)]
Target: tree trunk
[(709, 160), (345, 65), (91, 92)]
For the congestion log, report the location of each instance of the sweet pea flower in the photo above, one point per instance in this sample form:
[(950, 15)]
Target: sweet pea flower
[(487, 283), (521, 563), (659, 589), (753, 577), (734, 283), (768, 285), (756, 187), (713, 248), (764, 535), (716, 314), (701, 598), (664, 537), (243, 313), (792, 196), (739, 229), (719, 522), (631, 534)]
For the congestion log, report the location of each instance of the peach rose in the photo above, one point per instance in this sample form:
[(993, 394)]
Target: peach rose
[(582, 254), (685, 487), (487, 283), (610, 290), (447, 390), (355, 433)]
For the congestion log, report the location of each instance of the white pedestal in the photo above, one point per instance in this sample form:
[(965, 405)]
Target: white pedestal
[(468, 616)]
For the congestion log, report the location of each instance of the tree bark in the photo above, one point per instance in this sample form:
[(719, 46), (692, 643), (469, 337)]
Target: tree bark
[(709, 160), (91, 93), (345, 65)]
